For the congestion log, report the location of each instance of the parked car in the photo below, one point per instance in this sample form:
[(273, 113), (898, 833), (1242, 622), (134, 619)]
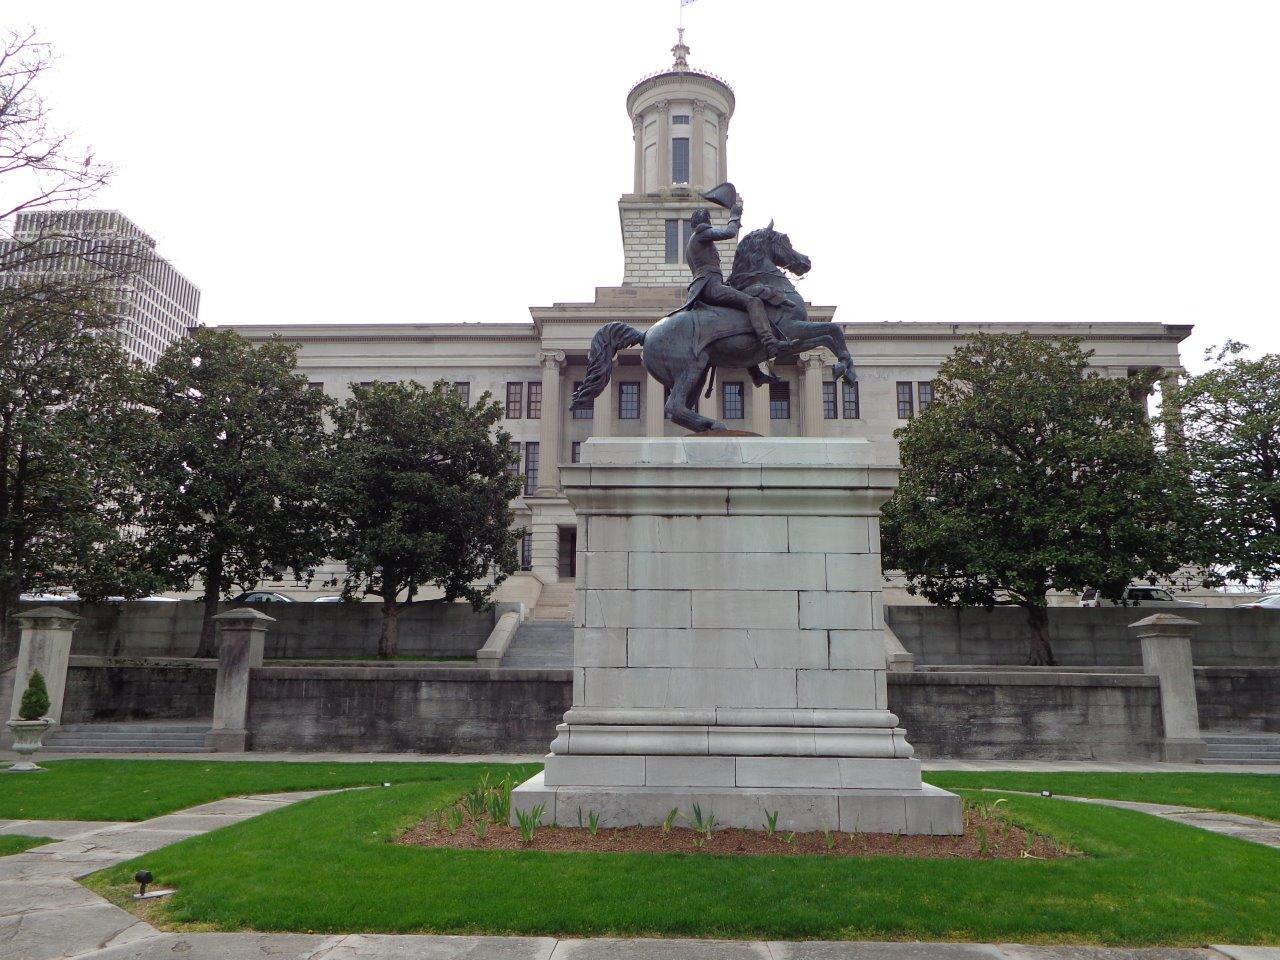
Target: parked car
[(44, 597), (262, 596), (1262, 603), (328, 600), (1137, 596)]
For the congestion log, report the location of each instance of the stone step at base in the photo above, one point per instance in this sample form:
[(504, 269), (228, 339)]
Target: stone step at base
[(141, 737), (132, 748), (928, 810), (1243, 760), (156, 726)]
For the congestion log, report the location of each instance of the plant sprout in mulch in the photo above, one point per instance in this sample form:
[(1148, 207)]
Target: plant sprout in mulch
[(479, 821)]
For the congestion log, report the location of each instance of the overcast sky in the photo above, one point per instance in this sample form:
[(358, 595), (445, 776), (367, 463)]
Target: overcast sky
[(1012, 161)]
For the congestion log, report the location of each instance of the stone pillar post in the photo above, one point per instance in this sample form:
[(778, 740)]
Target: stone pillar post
[(655, 421), (1166, 654), (811, 389), (759, 399), (637, 125), (550, 426), (664, 144), (241, 637), (1170, 409), (45, 645), (602, 412)]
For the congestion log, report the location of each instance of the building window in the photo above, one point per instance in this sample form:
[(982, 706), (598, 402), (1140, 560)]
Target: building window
[(779, 401), (828, 400), (526, 552), (534, 407), (680, 119), (905, 410), (732, 401), (463, 392), (586, 413), (852, 409), (925, 391), (673, 241), (513, 467), (679, 159), (629, 400), (515, 392), (575, 452), (315, 387), (530, 467)]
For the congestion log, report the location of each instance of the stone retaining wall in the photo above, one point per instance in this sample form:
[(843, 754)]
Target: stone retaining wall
[(114, 690), (1239, 698), (150, 629), (406, 709), (1081, 636), (1029, 715)]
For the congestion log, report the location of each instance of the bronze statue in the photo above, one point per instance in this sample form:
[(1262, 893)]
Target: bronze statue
[(682, 349)]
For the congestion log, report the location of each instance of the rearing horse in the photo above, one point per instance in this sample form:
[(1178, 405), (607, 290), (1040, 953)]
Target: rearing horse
[(679, 350)]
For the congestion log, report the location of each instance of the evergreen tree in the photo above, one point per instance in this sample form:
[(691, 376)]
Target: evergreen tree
[(420, 493), (1029, 473)]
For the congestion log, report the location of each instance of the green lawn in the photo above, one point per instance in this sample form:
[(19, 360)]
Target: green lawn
[(328, 865), (139, 789), (1251, 794), (12, 843)]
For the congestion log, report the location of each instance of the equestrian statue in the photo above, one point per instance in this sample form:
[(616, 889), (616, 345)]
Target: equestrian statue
[(754, 316)]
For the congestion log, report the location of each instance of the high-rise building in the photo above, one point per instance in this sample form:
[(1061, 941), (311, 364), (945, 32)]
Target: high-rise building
[(157, 303)]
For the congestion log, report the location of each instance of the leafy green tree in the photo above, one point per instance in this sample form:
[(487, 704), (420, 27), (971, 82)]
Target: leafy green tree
[(1027, 474), (71, 432), (1230, 419), (234, 473), (421, 493)]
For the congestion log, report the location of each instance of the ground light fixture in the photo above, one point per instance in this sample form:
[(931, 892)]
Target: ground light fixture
[(1046, 793), (145, 878)]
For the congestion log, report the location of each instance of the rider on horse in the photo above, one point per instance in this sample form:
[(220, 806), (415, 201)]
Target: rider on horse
[(708, 284)]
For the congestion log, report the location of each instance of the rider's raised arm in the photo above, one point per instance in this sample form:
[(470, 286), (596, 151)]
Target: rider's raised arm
[(727, 232)]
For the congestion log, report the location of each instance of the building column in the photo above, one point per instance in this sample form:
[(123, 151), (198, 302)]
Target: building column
[(602, 411), (664, 143), (811, 422), (550, 425), (724, 149), (637, 125), (655, 423), (710, 406), (697, 148), (759, 399), (1170, 408), (545, 533)]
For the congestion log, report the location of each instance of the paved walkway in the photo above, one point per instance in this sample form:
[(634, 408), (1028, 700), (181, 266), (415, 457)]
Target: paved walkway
[(46, 915), (1265, 832)]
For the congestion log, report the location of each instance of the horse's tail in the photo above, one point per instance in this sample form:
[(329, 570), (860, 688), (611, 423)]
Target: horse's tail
[(608, 340)]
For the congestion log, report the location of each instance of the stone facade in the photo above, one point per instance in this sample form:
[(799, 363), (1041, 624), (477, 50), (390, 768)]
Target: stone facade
[(549, 354)]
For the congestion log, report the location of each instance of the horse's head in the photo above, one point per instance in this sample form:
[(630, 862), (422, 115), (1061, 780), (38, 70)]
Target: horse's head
[(784, 255)]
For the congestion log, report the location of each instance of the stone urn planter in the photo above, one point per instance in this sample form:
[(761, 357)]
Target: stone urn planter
[(27, 735)]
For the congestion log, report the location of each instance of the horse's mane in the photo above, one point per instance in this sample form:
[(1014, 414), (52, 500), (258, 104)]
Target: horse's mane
[(752, 254)]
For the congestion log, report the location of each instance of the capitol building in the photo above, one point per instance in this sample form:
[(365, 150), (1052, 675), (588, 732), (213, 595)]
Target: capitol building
[(680, 121)]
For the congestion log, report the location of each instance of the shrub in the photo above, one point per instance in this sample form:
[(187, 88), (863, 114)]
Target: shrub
[(35, 699)]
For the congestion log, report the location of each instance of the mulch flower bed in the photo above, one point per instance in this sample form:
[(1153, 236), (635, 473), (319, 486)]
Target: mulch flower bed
[(986, 837)]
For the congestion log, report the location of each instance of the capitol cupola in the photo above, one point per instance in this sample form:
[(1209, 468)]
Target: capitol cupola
[(680, 117), (680, 121)]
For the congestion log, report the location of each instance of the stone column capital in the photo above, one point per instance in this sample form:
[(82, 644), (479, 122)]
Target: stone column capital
[(661, 104), (637, 123), (812, 361), (551, 358), (699, 107)]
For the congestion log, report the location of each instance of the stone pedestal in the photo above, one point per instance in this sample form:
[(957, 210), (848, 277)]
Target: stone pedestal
[(1166, 654), (728, 642), (241, 637), (45, 646)]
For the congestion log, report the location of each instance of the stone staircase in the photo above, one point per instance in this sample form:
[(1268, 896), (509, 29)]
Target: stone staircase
[(555, 602), (540, 644), (1242, 747), (178, 736)]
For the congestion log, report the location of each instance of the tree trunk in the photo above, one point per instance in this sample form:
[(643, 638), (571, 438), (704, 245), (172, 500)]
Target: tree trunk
[(10, 633), (389, 638), (1041, 653), (212, 593)]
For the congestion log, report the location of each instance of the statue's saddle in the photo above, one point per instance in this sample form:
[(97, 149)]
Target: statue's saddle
[(712, 323)]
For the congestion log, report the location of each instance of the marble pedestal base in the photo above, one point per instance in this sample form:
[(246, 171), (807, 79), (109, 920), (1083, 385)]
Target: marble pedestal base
[(729, 646), (927, 810)]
